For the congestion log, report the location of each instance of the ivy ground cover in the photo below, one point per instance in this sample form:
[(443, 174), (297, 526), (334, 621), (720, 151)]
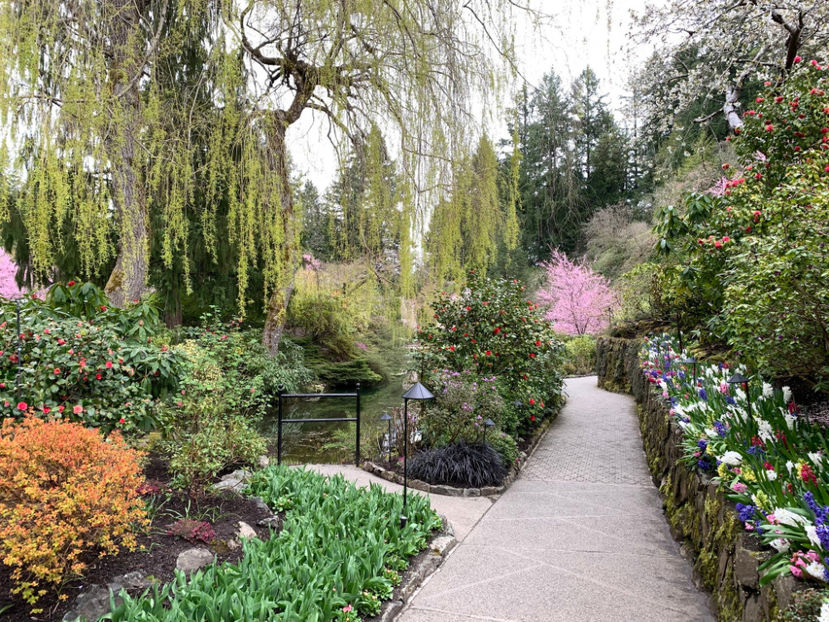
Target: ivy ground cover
[(337, 557), (766, 458)]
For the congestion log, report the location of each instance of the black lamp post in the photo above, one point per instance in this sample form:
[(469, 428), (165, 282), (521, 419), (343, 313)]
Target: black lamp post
[(488, 423), (387, 417), (420, 393), (738, 379)]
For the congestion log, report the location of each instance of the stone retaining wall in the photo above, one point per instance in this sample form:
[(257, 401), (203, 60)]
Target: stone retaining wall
[(725, 556)]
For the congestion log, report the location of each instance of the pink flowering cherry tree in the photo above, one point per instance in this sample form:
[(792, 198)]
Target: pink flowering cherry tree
[(8, 270), (578, 300)]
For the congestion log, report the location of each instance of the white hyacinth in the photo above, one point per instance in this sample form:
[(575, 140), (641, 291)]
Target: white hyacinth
[(765, 431), (817, 459), (787, 394), (731, 458), (789, 466), (788, 517), (816, 570), (768, 390), (790, 420), (771, 475), (780, 544), (824, 612), (811, 533)]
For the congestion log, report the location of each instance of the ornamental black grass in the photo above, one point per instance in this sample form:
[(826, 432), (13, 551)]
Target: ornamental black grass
[(459, 464)]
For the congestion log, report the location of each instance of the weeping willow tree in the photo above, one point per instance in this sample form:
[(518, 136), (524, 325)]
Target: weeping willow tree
[(110, 139), (408, 66), (471, 224)]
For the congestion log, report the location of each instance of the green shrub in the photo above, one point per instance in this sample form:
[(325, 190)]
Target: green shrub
[(462, 404), (84, 360), (579, 355), (505, 445)]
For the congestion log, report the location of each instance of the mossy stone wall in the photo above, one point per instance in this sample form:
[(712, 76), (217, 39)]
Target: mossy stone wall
[(701, 518)]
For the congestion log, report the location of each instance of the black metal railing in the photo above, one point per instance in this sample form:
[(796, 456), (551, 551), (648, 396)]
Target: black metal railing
[(356, 419)]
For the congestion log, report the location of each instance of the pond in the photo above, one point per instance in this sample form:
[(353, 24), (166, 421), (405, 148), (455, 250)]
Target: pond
[(309, 443)]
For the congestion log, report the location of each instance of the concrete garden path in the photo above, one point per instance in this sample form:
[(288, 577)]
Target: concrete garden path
[(580, 535)]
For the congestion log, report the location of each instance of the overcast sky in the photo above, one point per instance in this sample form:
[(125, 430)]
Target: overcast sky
[(579, 33)]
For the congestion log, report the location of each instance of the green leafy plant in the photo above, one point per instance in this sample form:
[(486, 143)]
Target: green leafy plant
[(316, 569)]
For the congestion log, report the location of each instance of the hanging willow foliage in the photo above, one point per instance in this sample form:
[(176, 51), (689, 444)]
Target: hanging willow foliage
[(129, 113)]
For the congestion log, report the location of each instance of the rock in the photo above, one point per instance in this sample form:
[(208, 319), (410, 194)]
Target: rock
[(260, 504), (471, 492), (271, 521), (246, 531), (264, 462), (193, 559), (784, 586), (443, 544), (419, 485), (745, 569), (93, 603), (233, 544), (752, 610), (447, 490), (235, 481), (135, 580), (489, 491)]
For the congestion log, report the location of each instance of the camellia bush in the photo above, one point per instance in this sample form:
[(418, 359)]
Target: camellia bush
[(493, 331), (764, 455), (750, 256), (78, 358)]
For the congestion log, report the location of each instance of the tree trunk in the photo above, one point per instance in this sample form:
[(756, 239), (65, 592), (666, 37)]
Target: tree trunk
[(281, 296), (128, 280)]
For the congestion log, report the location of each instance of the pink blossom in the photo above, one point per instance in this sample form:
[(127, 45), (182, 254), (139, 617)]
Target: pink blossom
[(739, 487), (578, 300)]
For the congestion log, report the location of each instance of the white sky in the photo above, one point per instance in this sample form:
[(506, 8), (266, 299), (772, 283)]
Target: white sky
[(579, 33)]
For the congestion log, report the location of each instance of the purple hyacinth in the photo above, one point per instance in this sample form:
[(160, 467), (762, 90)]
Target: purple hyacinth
[(703, 464), (703, 395), (719, 426), (745, 512), (702, 444)]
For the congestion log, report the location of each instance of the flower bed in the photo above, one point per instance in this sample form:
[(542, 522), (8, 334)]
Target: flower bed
[(316, 568), (752, 442)]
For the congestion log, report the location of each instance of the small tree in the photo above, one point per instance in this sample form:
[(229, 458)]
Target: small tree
[(578, 300)]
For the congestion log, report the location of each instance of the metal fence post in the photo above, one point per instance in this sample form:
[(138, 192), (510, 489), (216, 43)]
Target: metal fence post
[(279, 433), (357, 451)]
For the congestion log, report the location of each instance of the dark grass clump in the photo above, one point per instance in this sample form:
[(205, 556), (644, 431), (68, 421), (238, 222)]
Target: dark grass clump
[(460, 464)]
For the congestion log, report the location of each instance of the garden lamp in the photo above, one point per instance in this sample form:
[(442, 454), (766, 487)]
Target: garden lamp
[(488, 423), (739, 379), (387, 417), (420, 393)]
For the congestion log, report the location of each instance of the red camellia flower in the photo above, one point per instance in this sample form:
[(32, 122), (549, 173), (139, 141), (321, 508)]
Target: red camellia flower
[(532, 355), (57, 371), (532, 402), (46, 410), (70, 283), (769, 128), (97, 376), (488, 353), (538, 342), (122, 420), (109, 365), (532, 417), (78, 409), (22, 406)]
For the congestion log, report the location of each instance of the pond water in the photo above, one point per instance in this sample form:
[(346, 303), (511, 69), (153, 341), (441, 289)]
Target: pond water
[(308, 443)]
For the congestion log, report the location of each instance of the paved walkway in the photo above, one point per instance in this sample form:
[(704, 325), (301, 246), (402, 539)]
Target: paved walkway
[(580, 536)]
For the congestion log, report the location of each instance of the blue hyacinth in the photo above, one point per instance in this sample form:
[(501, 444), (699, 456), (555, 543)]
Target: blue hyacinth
[(745, 512), (719, 426), (703, 395)]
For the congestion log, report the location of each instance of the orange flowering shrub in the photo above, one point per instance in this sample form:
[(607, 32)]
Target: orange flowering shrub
[(65, 493)]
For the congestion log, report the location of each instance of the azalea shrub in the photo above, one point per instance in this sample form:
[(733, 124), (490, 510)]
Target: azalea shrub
[(66, 496), (753, 442), (750, 257), (78, 358), (493, 330)]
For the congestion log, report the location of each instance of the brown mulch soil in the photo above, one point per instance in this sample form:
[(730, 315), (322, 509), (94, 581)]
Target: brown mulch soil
[(818, 413), (157, 551)]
